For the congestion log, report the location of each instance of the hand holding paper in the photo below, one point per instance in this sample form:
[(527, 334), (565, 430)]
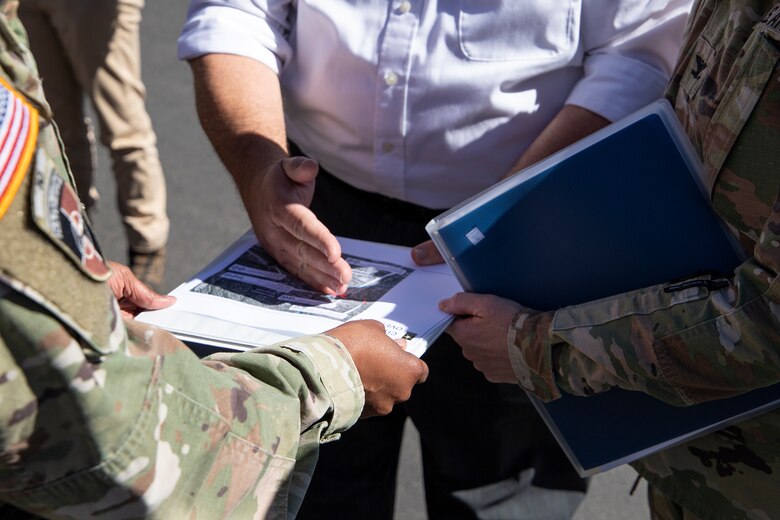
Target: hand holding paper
[(482, 329), (387, 371), (133, 295)]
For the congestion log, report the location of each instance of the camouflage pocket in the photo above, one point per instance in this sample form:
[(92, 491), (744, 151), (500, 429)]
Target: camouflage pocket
[(744, 85), (71, 430)]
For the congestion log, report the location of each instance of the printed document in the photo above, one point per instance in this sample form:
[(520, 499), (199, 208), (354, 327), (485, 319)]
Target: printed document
[(245, 299)]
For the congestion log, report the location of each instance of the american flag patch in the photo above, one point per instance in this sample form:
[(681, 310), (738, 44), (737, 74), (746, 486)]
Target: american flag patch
[(18, 134)]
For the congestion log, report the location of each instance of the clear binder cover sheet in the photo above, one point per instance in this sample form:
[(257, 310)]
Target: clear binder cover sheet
[(244, 298)]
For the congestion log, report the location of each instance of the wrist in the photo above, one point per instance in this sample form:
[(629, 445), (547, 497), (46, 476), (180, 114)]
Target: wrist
[(531, 355)]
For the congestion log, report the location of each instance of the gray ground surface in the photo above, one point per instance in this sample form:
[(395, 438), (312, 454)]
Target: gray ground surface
[(206, 216)]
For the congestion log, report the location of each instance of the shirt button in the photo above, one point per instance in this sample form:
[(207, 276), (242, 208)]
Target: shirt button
[(405, 7), (387, 147), (391, 78)]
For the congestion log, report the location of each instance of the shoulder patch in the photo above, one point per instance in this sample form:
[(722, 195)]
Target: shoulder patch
[(59, 214), (18, 135)]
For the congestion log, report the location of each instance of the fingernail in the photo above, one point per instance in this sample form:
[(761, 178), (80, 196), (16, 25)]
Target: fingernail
[(420, 253)]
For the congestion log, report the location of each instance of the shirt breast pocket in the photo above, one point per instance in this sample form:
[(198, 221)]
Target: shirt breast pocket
[(517, 30)]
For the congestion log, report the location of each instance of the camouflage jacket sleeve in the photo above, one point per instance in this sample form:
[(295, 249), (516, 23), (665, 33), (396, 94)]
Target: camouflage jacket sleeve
[(146, 429), (707, 337)]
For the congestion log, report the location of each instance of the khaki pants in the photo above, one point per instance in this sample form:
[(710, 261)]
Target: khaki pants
[(92, 48)]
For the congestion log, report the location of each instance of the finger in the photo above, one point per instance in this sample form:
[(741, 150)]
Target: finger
[(426, 254), (126, 287), (305, 262), (460, 330), (401, 342), (312, 267), (144, 297), (118, 280), (460, 304), (302, 224)]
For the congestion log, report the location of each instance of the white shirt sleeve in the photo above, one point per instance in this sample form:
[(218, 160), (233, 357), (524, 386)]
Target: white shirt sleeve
[(256, 29), (628, 54)]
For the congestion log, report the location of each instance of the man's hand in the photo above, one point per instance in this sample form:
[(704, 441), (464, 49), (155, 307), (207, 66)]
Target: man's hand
[(277, 200), (239, 102), (133, 296), (482, 329), (388, 372)]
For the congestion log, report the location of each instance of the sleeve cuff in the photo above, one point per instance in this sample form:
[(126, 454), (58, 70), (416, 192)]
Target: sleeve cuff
[(223, 30), (531, 354), (615, 86), (341, 380)]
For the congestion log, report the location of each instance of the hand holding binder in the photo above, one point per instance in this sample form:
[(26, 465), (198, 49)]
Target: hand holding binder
[(481, 331), (623, 209)]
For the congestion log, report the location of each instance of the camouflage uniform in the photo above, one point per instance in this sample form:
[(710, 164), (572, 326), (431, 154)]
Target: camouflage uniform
[(105, 419), (710, 337)]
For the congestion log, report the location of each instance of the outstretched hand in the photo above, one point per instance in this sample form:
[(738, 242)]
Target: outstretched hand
[(387, 371), (132, 294), (278, 203), (482, 330)]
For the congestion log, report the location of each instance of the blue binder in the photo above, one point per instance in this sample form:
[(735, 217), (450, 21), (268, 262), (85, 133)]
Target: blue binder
[(623, 209)]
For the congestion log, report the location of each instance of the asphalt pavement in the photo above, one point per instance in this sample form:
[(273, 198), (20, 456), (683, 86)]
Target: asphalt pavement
[(207, 215)]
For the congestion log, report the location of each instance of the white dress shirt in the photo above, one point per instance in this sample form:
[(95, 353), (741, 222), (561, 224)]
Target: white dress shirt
[(432, 101)]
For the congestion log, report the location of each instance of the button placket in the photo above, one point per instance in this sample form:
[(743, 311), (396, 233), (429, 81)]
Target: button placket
[(392, 85)]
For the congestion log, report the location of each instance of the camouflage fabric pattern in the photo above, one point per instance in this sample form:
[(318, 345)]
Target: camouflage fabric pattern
[(102, 418), (663, 508), (712, 336)]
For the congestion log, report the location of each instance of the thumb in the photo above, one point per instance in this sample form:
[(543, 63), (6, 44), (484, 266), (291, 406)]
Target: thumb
[(144, 297), (460, 304), (426, 254), (300, 169)]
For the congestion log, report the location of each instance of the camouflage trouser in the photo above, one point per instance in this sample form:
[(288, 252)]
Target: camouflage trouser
[(664, 508)]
